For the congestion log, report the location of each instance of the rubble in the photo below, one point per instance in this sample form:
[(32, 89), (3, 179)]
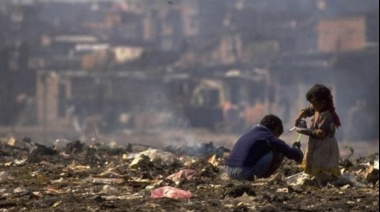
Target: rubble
[(73, 176)]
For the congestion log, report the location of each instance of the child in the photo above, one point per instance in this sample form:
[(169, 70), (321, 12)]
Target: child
[(260, 152), (322, 153)]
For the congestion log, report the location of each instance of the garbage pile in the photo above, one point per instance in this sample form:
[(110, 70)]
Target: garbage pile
[(74, 176)]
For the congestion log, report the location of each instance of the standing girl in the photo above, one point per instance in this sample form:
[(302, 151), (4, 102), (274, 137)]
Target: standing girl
[(322, 152)]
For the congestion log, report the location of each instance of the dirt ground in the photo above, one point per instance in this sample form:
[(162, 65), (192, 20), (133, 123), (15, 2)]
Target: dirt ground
[(99, 176)]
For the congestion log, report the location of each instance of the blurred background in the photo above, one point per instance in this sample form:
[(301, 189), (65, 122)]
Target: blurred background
[(85, 68)]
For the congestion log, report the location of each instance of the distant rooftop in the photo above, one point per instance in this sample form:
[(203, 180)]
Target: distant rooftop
[(75, 38)]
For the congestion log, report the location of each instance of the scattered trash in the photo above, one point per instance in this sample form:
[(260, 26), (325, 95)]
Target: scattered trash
[(349, 178), (141, 161), (372, 174), (297, 179), (109, 190), (214, 161), (43, 177), (343, 152), (282, 190), (186, 174), (61, 143), (23, 145), (4, 176), (170, 192), (376, 163), (107, 181), (166, 158)]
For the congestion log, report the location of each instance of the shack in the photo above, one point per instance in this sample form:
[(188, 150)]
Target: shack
[(114, 100)]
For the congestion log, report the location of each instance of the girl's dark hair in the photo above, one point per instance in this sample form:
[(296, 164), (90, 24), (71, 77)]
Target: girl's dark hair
[(319, 93), (272, 122)]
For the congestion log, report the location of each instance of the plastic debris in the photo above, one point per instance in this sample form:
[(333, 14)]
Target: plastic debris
[(376, 163), (186, 174), (349, 178), (170, 192), (213, 160), (166, 158), (109, 190), (140, 161), (297, 179)]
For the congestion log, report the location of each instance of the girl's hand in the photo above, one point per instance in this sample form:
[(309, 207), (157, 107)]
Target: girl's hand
[(297, 120), (299, 117), (304, 131)]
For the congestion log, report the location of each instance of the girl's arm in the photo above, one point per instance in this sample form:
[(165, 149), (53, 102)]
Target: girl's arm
[(304, 113), (325, 128)]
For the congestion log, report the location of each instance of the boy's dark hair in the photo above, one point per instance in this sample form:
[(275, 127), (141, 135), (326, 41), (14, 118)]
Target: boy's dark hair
[(272, 122)]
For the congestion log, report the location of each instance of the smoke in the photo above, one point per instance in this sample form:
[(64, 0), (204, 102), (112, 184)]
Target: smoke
[(352, 76)]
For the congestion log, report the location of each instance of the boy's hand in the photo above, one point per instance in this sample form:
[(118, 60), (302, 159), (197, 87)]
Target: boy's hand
[(296, 145)]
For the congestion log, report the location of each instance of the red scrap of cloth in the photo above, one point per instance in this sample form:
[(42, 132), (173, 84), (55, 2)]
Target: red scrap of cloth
[(170, 192), (186, 174)]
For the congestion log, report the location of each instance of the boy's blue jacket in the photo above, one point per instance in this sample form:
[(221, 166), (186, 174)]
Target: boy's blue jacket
[(254, 144)]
